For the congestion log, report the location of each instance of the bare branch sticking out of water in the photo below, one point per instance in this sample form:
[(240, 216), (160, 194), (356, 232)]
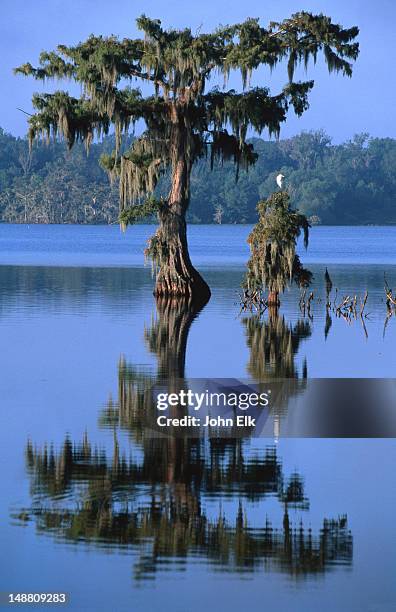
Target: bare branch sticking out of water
[(390, 304), (253, 301)]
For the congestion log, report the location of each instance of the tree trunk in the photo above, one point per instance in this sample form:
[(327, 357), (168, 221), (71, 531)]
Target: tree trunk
[(273, 299), (176, 275)]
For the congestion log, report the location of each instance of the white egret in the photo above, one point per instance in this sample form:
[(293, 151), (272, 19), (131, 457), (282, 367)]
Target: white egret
[(279, 180)]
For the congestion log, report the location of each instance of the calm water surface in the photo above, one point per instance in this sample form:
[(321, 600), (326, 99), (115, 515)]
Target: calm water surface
[(93, 505)]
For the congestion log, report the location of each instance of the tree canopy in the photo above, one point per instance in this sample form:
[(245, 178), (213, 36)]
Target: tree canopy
[(180, 66)]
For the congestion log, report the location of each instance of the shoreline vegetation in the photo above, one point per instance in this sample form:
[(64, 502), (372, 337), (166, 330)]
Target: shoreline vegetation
[(353, 183)]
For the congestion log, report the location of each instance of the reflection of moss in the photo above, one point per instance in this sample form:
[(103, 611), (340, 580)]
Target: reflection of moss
[(273, 346), (166, 337), (154, 502), (82, 496), (175, 534), (212, 467), (135, 408)]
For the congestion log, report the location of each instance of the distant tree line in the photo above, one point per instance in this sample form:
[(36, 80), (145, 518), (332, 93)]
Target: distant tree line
[(351, 183)]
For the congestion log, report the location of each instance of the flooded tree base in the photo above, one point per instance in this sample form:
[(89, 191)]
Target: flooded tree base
[(168, 249), (191, 286)]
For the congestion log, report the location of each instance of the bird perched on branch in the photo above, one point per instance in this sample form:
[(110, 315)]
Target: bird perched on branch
[(279, 180)]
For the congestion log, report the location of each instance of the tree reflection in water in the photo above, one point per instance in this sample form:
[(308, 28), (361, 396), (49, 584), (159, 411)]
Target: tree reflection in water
[(273, 345), (156, 499)]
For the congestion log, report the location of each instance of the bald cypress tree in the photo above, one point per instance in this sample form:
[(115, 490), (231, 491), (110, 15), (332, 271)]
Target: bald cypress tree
[(185, 116), (274, 263)]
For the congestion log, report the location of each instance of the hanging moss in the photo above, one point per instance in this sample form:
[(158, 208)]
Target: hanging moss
[(133, 214), (183, 118), (178, 64), (274, 264)]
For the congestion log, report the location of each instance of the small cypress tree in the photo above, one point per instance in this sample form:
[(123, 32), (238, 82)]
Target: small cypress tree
[(274, 264)]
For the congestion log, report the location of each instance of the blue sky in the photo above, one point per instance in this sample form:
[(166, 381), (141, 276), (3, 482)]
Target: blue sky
[(341, 106)]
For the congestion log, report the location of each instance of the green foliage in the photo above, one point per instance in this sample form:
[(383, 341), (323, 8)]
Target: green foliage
[(350, 183), (179, 65), (132, 214), (274, 263)]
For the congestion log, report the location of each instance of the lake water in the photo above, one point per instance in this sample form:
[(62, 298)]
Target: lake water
[(93, 505)]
